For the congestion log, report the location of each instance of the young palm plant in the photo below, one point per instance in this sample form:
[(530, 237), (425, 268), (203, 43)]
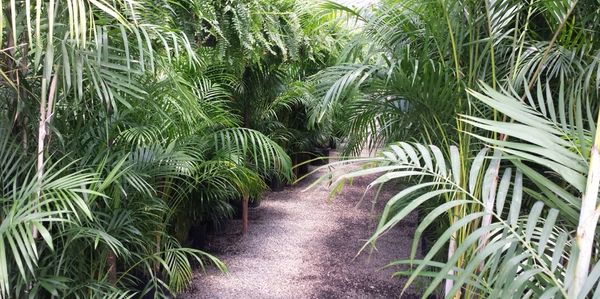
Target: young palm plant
[(525, 235)]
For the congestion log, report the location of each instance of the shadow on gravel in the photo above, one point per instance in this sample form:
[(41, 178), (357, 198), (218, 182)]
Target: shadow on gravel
[(346, 275)]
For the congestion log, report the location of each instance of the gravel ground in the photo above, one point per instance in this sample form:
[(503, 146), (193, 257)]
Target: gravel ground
[(300, 245)]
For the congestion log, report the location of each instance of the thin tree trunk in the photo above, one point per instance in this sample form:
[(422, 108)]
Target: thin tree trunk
[(245, 214), (157, 250), (451, 249), (588, 219), (45, 115), (246, 119), (111, 260)]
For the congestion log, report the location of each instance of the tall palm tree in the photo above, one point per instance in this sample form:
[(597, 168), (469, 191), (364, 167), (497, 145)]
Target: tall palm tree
[(424, 60), (123, 107)]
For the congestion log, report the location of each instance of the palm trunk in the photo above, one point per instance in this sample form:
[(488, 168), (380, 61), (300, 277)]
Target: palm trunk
[(245, 214), (451, 249), (46, 104), (45, 115), (246, 119), (111, 260), (588, 219)]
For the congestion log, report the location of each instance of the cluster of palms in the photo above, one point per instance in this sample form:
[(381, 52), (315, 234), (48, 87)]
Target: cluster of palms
[(123, 123), (126, 122), (496, 102)]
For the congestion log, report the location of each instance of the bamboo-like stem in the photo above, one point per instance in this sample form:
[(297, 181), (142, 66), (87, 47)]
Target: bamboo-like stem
[(588, 219), (45, 108), (490, 199), (451, 249), (521, 39), (488, 8), (453, 43), (45, 115)]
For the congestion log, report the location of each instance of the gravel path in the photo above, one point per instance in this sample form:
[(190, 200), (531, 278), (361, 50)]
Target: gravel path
[(300, 245)]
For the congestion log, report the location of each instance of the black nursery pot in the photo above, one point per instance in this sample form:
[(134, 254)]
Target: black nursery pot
[(198, 235), (237, 209), (332, 143), (323, 154), (275, 184), (300, 158)]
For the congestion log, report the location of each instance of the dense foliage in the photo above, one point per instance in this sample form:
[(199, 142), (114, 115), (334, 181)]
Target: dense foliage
[(497, 105), (124, 123)]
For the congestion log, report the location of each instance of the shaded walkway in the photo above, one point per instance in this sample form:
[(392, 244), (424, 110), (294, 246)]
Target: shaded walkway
[(301, 246)]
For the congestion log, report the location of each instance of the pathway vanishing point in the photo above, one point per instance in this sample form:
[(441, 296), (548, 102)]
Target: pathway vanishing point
[(300, 245)]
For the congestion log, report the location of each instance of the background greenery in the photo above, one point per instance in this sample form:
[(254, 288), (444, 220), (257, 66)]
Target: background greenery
[(126, 123)]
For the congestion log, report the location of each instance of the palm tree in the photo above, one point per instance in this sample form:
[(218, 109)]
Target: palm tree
[(536, 223), (123, 106), (528, 247)]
